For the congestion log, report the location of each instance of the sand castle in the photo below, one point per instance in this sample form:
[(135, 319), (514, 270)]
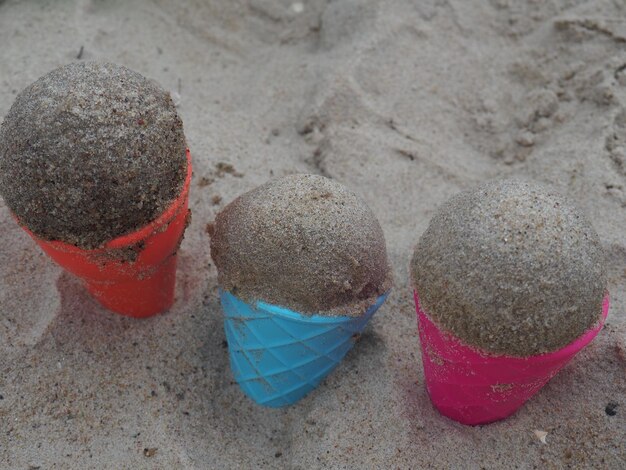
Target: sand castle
[(303, 266), (509, 285), (94, 165)]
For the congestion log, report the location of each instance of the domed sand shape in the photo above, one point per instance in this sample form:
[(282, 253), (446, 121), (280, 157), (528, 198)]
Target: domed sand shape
[(511, 268), (94, 165), (303, 267), (303, 242), (89, 152)]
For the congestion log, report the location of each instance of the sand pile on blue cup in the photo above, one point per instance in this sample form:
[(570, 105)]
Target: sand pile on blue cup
[(302, 267)]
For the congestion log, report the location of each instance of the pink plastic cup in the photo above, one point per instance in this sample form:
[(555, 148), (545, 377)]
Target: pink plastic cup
[(474, 387)]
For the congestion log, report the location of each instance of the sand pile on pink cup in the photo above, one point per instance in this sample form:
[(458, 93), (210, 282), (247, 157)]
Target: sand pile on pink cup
[(303, 267), (509, 286)]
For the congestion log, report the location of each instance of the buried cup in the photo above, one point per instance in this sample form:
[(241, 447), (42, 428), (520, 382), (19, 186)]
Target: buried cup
[(474, 387), (509, 283), (94, 166), (277, 355), (135, 274), (302, 267)]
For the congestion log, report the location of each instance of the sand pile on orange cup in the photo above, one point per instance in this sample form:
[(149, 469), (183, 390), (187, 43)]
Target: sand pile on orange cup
[(94, 166), (509, 286)]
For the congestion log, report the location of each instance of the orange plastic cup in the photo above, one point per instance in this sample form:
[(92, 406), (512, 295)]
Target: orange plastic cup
[(134, 274)]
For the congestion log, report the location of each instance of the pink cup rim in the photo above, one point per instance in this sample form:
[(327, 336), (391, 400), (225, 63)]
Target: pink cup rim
[(566, 351)]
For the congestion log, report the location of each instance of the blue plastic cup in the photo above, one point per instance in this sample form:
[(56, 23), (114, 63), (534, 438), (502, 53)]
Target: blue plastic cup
[(277, 355)]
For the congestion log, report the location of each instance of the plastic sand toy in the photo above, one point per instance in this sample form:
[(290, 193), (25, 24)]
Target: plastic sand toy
[(474, 387), (302, 267), (134, 274), (94, 166), (512, 284), (277, 355)]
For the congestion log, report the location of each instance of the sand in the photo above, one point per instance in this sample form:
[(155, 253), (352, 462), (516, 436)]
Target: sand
[(511, 267), (89, 152), (405, 103), (303, 242)]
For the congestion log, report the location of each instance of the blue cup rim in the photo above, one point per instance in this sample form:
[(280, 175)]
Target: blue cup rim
[(315, 318)]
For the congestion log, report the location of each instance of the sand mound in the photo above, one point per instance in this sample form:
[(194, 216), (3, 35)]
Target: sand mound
[(91, 151)]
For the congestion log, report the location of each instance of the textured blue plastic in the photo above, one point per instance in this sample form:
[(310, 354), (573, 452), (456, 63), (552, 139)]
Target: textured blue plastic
[(277, 355)]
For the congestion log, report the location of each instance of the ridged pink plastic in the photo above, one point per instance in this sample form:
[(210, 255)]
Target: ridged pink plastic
[(474, 387)]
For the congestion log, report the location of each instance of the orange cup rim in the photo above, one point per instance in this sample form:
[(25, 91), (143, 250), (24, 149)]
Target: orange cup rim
[(131, 238)]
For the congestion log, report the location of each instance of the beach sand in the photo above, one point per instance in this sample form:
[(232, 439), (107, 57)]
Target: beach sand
[(404, 102)]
